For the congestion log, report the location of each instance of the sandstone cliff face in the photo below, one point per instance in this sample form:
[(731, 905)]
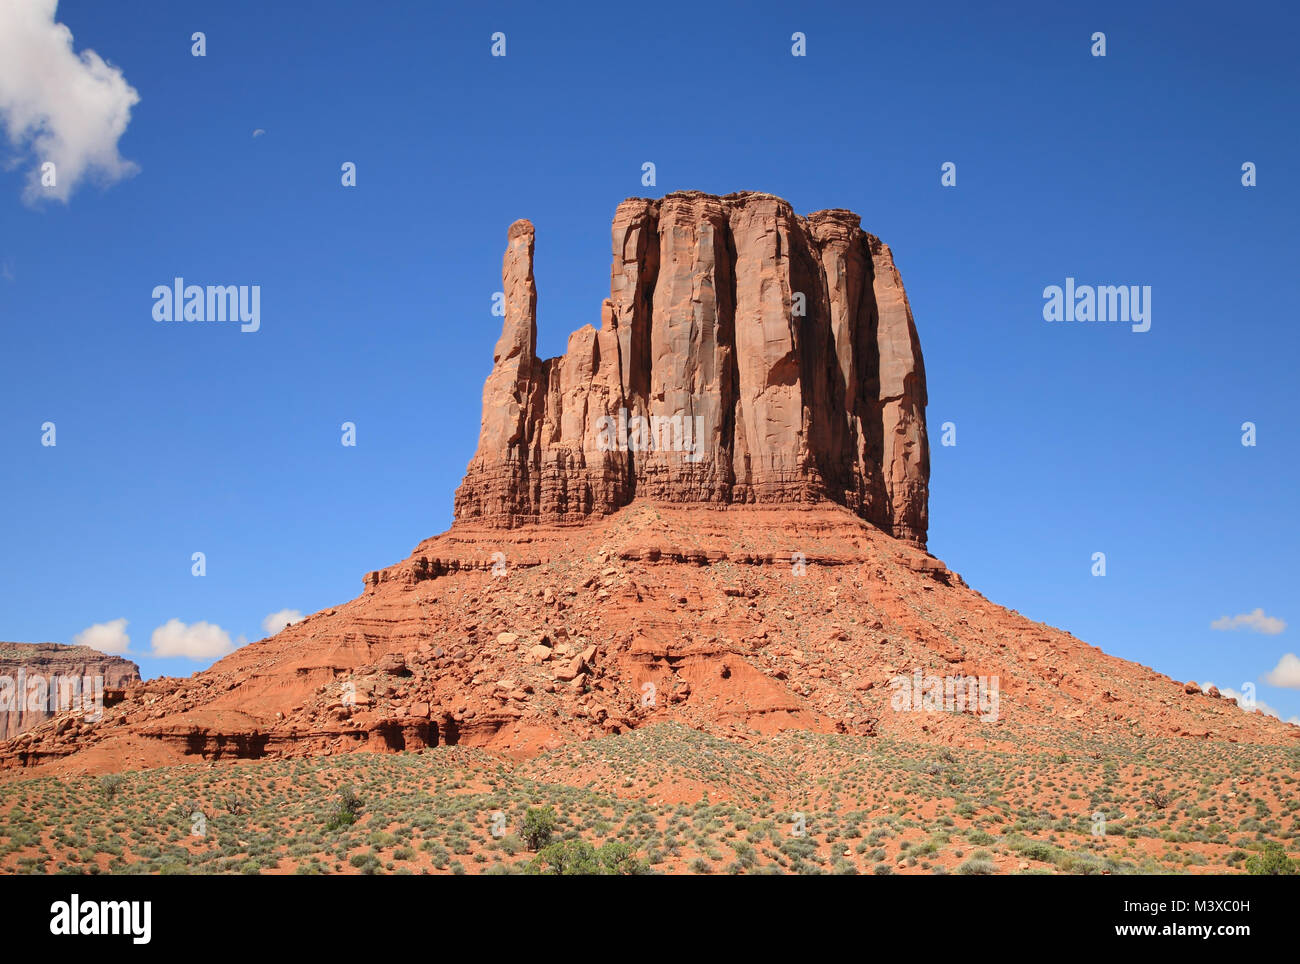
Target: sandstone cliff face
[(30, 672), (745, 355)]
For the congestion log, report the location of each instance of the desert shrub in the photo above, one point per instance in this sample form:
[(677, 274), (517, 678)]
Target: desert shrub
[(1159, 798), (234, 804), (366, 863), (345, 810), (539, 826), (110, 784), (618, 858), (1272, 861), (510, 844), (1037, 850), (349, 801), (745, 853)]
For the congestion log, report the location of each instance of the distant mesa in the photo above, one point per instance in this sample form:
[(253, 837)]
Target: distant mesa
[(36, 680)]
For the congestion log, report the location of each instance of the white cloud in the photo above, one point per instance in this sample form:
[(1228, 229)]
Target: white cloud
[(109, 637), (1229, 692), (1286, 673), (57, 105), (275, 622), (1255, 621), (196, 641)]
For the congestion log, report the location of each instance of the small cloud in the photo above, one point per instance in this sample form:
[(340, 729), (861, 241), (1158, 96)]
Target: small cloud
[(7, 270), (57, 106), (1256, 622), (196, 641), (1285, 674), (109, 637), (275, 622), (259, 132)]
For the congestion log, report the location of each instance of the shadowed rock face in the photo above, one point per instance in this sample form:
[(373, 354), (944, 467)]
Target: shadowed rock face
[(745, 355)]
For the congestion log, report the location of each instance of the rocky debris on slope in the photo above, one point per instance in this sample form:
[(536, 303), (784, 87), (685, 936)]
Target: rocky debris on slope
[(39, 680), (597, 636), (745, 355)]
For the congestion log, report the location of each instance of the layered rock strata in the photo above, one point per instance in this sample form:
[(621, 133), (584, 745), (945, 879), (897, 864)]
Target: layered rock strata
[(746, 355), (40, 680)]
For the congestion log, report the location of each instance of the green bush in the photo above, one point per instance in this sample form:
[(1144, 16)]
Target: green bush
[(366, 863), (510, 844), (339, 818), (1037, 850), (578, 857), (619, 858), (539, 826), (345, 811), (1271, 861)]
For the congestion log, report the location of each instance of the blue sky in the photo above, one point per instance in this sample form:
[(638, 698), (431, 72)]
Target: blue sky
[(1071, 438)]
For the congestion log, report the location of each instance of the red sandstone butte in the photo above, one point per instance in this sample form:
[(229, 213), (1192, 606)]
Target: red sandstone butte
[(775, 580), (788, 341)]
